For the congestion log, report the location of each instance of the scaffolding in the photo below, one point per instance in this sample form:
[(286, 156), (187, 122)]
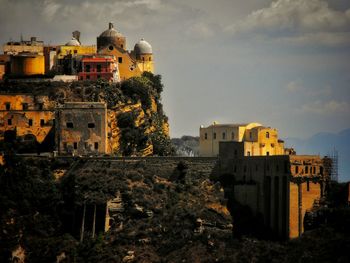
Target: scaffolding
[(332, 165)]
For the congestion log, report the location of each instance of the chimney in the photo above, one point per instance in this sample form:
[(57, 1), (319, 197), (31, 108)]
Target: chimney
[(76, 35), (110, 25)]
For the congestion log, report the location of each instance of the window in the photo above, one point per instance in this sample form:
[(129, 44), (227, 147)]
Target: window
[(111, 48), (296, 169), (98, 67), (69, 125), (267, 153), (308, 185), (122, 46), (277, 168), (96, 146), (214, 135), (223, 135), (40, 106), (120, 60), (75, 145), (30, 122), (42, 122), (150, 59), (250, 135), (233, 136), (8, 105), (306, 169), (248, 153), (143, 58), (88, 77), (267, 135), (9, 122), (87, 68), (81, 78), (205, 136), (91, 125), (24, 106)]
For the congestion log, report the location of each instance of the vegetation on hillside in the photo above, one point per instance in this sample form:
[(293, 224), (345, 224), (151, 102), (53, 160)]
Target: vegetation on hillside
[(140, 122), (168, 215)]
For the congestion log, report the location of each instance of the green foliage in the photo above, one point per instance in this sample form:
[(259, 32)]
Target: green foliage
[(138, 88), (162, 145), (126, 120), (156, 81)]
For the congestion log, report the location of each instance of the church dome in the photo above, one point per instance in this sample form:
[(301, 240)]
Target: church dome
[(143, 47), (73, 42), (111, 32)]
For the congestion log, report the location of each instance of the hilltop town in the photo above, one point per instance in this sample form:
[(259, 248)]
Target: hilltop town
[(88, 172)]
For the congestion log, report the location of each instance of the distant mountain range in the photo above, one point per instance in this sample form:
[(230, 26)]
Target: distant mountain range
[(324, 144)]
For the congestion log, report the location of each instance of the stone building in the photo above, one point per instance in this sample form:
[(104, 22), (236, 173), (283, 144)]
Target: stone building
[(81, 128), (277, 189), (257, 139), (30, 117)]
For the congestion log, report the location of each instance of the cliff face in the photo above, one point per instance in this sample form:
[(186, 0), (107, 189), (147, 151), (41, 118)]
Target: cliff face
[(137, 124)]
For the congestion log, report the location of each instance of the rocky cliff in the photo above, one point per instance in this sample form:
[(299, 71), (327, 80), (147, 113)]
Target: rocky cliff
[(136, 122)]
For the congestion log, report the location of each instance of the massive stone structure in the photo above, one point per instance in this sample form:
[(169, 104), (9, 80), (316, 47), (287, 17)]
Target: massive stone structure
[(82, 128), (278, 190)]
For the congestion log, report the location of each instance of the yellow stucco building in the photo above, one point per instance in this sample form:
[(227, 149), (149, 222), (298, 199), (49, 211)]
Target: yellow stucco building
[(258, 140), (130, 63)]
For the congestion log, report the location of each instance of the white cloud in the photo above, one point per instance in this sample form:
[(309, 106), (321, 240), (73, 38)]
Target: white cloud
[(298, 22), (201, 30), (330, 39), (294, 86), (326, 107)]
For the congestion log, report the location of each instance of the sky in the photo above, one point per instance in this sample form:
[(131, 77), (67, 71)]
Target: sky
[(282, 63)]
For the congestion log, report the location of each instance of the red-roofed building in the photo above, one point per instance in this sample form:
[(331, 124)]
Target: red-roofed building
[(99, 67)]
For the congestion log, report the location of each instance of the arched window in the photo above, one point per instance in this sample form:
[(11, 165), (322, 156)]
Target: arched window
[(267, 135)]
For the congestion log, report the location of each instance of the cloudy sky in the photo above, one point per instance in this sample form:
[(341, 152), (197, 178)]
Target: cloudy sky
[(284, 63)]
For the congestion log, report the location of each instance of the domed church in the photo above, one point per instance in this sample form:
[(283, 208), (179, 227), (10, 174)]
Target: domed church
[(131, 63)]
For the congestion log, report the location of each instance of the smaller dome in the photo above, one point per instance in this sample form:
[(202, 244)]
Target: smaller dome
[(73, 42), (143, 47)]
